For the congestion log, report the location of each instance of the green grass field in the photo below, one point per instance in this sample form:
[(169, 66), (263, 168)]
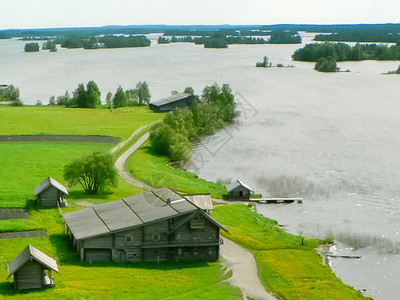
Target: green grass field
[(120, 122), (286, 268), (155, 171), (78, 280)]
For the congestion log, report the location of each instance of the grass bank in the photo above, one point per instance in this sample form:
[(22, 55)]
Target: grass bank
[(155, 171), (286, 268)]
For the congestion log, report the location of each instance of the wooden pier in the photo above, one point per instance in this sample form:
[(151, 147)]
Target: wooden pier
[(277, 200)]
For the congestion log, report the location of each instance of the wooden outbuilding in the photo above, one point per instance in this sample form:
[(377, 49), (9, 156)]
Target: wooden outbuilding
[(160, 225), (238, 190), (50, 193), (32, 269), (170, 103)]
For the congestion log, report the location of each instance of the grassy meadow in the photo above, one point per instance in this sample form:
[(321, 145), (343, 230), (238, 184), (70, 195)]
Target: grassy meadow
[(120, 122)]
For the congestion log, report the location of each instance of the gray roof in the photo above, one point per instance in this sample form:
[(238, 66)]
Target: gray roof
[(201, 200), (28, 253), (49, 182), (171, 99), (237, 184), (128, 213)]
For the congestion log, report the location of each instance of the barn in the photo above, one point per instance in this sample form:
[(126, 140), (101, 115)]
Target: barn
[(32, 269), (160, 225), (238, 190), (170, 103), (50, 193)]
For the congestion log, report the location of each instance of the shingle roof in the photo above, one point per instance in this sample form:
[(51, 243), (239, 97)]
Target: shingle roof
[(49, 182), (236, 184), (170, 99), (28, 253), (128, 212)]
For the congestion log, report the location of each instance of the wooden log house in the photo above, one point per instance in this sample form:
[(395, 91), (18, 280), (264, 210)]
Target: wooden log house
[(32, 269), (160, 225), (50, 193), (238, 190)]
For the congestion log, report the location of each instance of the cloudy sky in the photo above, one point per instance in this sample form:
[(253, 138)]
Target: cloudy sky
[(73, 13)]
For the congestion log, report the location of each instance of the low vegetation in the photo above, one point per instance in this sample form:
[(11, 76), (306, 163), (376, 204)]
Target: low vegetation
[(31, 47), (288, 266), (173, 136)]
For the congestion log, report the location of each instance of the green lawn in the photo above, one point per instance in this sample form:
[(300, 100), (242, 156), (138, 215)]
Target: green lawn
[(155, 171), (120, 122), (286, 268), (78, 280)]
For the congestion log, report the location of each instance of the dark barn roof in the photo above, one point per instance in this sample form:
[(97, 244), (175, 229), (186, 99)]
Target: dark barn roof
[(29, 253), (171, 99), (130, 212), (47, 183)]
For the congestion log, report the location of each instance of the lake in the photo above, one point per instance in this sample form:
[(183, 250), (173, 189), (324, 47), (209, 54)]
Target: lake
[(329, 138)]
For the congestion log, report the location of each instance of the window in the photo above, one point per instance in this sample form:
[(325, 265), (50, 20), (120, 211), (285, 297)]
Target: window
[(178, 236), (179, 251), (156, 237), (128, 239)]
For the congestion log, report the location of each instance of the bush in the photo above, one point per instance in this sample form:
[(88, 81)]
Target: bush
[(326, 64)]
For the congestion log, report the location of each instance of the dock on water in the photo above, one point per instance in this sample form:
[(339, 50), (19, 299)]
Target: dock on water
[(277, 200)]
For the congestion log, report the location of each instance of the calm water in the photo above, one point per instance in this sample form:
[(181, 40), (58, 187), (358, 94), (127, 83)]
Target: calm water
[(329, 138)]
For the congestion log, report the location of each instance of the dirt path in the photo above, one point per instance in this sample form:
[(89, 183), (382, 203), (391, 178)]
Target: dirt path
[(120, 163), (244, 270)]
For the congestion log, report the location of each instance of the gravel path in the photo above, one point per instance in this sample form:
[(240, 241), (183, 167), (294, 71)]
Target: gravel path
[(120, 163), (244, 271)]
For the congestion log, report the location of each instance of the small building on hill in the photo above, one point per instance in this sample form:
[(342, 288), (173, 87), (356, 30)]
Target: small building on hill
[(175, 101), (201, 200), (50, 193), (238, 190), (32, 269), (160, 225)]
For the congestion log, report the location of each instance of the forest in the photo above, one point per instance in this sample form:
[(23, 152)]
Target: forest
[(362, 37), (344, 52)]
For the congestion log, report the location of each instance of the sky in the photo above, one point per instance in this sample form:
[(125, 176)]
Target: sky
[(83, 13)]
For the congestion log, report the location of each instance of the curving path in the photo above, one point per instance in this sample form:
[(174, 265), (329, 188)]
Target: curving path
[(235, 258), (120, 163), (244, 271)]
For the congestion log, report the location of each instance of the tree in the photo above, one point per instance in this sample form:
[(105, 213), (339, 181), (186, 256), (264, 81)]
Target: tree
[(95, 172), (31, 47), (86, 98), (10, 93), (189, 90), (120, 98), (326, 64), (52, 100), (109, 99), (142, 93)]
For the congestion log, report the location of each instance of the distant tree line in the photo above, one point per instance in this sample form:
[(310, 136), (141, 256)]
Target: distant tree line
[(109, 41), (362, 37), (89, 96), (283, 37), (173, 136), (344, 52), (218, 39)]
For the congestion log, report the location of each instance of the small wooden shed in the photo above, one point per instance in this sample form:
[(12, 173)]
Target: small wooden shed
[(238, 190), (50, 193), (170, 103), (32, 269)]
